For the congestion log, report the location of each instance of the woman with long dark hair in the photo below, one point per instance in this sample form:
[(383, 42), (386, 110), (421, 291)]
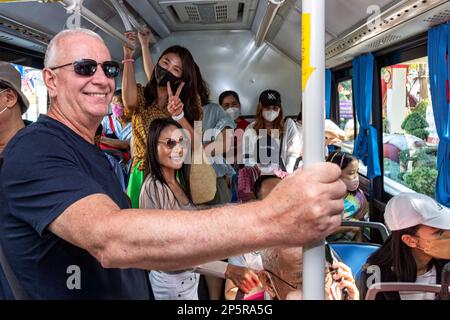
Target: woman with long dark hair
[(166, 168), (174, 90), (414, 251), (166, 186)]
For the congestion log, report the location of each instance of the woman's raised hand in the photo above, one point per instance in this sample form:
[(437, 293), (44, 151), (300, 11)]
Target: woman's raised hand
[(174, 105), (128, 53)]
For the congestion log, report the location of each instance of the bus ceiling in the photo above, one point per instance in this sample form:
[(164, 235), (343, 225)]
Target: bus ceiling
[(352, 27)]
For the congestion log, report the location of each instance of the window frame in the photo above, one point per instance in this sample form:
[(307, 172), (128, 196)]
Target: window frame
[(414, 49), (340, 74), (410, 49)]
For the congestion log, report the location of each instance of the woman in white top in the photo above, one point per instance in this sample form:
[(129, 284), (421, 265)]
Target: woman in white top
[(271, 141), (166, 186)]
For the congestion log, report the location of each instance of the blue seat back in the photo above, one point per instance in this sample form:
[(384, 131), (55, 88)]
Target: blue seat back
[(354, 254)]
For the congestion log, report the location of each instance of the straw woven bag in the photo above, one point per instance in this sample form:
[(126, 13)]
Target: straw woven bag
[(202, 178)]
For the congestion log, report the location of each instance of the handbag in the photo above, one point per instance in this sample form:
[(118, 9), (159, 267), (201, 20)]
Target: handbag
[(202, 178)]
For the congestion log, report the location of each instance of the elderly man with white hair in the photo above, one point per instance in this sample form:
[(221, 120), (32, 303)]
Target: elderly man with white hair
[(66, 227)]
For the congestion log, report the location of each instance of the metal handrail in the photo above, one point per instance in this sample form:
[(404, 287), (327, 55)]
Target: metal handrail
[(271, 11), (94, 19), (400, 286), (123, 15), (129, 21), (367, 224)]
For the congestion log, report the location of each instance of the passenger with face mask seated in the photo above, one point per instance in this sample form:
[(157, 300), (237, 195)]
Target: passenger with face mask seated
[(355, 202), (115, 138), (117, 125), (417, 249), (229, 100), (271, 141)]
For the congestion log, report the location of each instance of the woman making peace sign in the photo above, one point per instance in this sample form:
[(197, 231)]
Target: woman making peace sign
[(172, 91)]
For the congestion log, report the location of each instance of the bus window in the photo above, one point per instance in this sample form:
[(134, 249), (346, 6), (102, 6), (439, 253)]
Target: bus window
[(346, 120), (34, 89), (409, 133)]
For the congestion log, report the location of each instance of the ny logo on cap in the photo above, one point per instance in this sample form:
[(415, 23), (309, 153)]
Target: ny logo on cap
[(271, 96)]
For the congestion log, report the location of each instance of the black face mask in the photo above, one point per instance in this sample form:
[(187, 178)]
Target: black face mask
[(163, 76)]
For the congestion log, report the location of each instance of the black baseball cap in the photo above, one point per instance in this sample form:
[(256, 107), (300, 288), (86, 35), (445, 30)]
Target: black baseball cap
[(270, 98)]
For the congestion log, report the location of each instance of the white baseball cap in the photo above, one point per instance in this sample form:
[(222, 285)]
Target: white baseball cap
[(406, 210)]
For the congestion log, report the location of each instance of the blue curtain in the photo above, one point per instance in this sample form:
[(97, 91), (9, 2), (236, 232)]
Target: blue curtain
[(366, 147), (328, 93), (438, 50)]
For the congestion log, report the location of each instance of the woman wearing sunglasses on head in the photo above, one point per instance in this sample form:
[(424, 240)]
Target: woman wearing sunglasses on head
[(172, 91)]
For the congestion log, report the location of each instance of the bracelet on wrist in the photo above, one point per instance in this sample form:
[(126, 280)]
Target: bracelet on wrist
[(127, 60), (178, 117)]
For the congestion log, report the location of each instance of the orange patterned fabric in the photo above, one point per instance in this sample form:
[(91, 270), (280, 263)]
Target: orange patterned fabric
[(142, 117)]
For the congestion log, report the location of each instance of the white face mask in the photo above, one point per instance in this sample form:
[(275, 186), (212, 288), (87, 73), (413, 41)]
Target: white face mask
[(234, 112), (270, 115), (351, 185)]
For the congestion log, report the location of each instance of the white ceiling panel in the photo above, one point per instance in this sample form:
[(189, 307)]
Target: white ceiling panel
[(340, 16), (36, 15)]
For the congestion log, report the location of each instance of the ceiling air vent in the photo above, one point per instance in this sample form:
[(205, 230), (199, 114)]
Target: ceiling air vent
[(192, 14), (372, 29), (438, 18), (222, 13), (18, 29), (383, 41), (206, 13)]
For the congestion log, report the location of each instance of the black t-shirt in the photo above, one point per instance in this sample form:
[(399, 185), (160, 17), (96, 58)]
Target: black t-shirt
[(46, 168)]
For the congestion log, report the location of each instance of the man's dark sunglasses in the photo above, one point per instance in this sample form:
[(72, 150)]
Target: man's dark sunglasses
[(88, 67)]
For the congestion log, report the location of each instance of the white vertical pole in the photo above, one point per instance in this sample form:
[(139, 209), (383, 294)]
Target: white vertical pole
[(313, 87)]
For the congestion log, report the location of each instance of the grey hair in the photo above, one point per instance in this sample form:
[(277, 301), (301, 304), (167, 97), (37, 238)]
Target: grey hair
[(52, 48)]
